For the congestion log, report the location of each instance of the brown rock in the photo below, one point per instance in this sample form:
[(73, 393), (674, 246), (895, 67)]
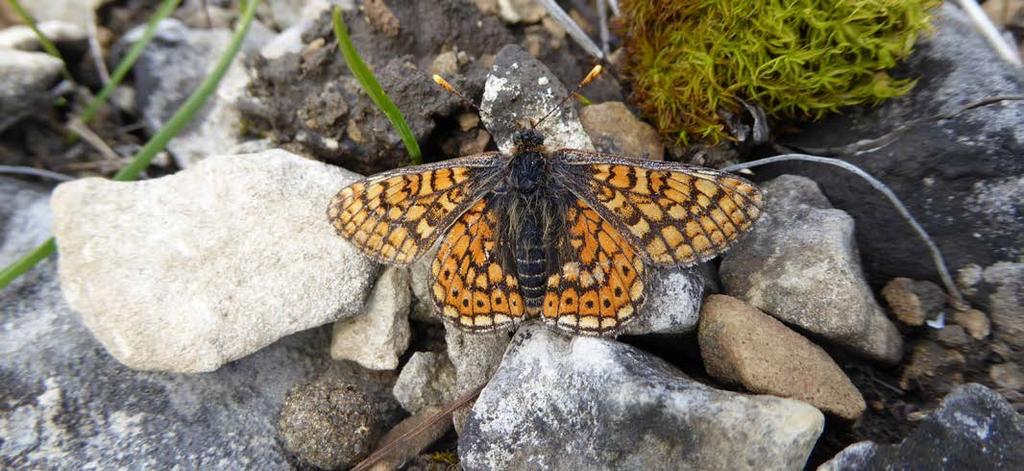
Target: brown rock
[(1007, 376), (741, 344), (933, 368), (913, 302), (381, 17), (952, 336), (615, 129), (975, 322)]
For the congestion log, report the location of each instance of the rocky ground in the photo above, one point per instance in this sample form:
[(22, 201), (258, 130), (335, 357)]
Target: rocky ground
[(208, 317)]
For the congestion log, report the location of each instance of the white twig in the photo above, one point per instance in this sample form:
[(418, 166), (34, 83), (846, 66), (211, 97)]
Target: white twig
[(615, 7), (602, 19), (35, 172), (95, 50), (989, 31), (940, 263), (572, 28)]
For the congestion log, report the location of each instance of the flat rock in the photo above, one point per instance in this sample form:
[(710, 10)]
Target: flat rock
[(741, 345), (27, 76), (974, 428), (190, 271), (950, 150), (589, 403), (427, 380), (170, 68), (615, 129), (70, 405), (800, 264)]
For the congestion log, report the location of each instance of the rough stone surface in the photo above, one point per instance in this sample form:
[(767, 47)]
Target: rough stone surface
[(330, 425), (615, 129), (914, 302), (958, 170), (27, 76), (674, 304), (25, 218), (380, 334), (741, 345), (420, 276), (68, 405), (193, 270), (973, 321), (475, 358), (79, 12), (974, 428), (933, 369), (521, 90), (59, 32), (800, 264), (588, 403), (1007, 376), (169, 70), (428, 379), (1005, 297), (952, 336)]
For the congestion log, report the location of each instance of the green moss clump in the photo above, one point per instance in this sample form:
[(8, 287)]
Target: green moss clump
[(688, 59)]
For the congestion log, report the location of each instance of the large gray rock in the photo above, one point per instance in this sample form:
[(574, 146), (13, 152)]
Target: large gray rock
[(974, 428), (958, 170), (25, 218), (69, 405), (1004, 283), (59, 32), (591, 403), (800, 264), (27, 76), (190, 271), (169, 70)]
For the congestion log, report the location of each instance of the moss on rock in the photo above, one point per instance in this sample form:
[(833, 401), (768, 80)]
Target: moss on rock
[(689, 59)]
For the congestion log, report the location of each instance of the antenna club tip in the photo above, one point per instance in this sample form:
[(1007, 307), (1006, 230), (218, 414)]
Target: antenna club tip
[(596, 71), (443, 83)]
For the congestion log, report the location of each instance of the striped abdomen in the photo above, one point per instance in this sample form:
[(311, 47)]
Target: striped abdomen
[(531, 264)]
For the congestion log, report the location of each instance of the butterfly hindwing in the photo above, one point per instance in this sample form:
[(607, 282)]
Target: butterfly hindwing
[(673, 214), (599, 284), (395, 217), (474, 285)]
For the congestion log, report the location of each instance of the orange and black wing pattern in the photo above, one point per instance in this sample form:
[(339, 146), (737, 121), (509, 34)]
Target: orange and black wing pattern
[(672, 214), (599, 285), (475, 287), (395, 217)]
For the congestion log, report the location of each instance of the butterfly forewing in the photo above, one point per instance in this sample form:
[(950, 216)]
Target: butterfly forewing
[(395, 217), (673, 214), (599, 283), (474, 285)]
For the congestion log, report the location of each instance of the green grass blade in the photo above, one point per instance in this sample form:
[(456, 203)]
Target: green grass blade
[(156, 143), (44, 41), (26, 262), (366, 79), (165, 9)]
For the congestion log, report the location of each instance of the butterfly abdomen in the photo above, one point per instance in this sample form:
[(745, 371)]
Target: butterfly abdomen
[(531, 264)]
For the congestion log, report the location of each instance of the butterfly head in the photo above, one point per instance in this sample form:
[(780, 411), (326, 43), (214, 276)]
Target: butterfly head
[(528, 139)]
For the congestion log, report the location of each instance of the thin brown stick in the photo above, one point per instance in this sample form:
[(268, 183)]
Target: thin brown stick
[(93, 140), (444, 414)]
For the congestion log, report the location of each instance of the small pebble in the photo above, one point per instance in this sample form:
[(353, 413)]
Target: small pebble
[(1007, 376), (975, 322)]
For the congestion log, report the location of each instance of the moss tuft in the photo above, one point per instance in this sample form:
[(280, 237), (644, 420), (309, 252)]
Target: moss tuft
[(688, 59)]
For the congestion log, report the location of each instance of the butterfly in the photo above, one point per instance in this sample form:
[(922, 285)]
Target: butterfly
[(567, 235)]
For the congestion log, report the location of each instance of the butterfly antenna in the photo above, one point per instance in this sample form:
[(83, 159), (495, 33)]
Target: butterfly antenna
[(593, 74)]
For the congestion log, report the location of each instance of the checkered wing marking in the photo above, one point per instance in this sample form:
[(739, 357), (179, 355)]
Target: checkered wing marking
[(600, 284), (395, 217), (475, 287), (674, 214)]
